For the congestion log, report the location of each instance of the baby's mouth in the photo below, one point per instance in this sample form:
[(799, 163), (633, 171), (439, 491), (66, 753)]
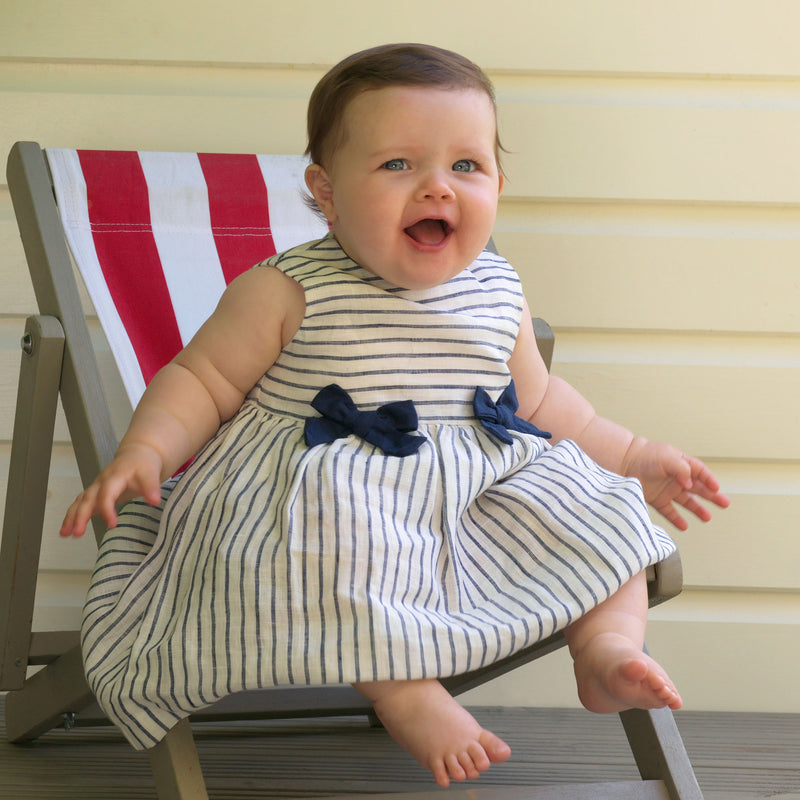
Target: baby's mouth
[(429, 231)]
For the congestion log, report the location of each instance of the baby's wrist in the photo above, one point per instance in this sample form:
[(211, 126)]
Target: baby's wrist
[(630, 459)]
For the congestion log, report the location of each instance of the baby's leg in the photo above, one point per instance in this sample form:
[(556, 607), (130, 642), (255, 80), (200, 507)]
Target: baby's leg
[(612, 670), (422, 717)]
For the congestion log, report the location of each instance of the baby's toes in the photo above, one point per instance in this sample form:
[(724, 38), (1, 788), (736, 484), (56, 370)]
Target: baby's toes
[(663, 689), (672, 698), (494, 747), (456, 769), (440, 772), (478, 759)]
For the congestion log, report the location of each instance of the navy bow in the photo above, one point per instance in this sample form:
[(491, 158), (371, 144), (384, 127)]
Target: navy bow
[(500, 417), (386, 428)]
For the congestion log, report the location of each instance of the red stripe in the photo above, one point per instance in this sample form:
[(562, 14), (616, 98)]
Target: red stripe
[(119, 213), (237, 199)]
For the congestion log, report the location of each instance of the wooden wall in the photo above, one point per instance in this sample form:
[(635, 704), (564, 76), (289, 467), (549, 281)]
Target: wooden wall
[(652, 208)]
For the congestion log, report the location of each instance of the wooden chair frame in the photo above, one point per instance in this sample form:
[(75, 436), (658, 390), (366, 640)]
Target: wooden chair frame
[(58, 360)]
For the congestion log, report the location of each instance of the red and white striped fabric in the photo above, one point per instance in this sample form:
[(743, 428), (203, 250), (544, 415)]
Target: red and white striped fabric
[(158, 236)]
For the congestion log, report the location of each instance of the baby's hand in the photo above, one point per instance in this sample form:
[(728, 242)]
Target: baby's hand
[(135, 471), (668, 477)]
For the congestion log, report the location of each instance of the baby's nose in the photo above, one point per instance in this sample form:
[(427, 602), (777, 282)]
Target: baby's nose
[(436, 186)]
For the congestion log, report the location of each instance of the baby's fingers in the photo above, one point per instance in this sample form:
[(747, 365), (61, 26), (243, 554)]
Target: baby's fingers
[(705, 484), (72, 526), (99, 498), (79, 514), (670, 513), (150, 490), (690, 502), (699, 510)]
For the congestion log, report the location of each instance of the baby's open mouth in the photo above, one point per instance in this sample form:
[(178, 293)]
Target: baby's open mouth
[(429, 231)]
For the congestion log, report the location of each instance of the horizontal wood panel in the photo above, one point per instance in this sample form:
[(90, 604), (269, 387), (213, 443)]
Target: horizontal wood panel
[(748, 37), (11, 330), (648, 153), (751, 544), (67, 555), (699, 348), (16, 290), (587, 147), (195, 124), (716, 667), (597, 280), (721, 411)]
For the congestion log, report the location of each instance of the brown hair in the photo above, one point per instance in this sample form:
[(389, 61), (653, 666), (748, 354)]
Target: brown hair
[(379, 68)]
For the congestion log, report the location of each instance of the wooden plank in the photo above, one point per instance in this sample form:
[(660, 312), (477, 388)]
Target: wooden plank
[(758, 555), (588, 146), (580, 36), (59, 688), (10, 333), (29, 468), (46, 647), (176, 767), (632, 790), (15, 283), (121, 121), (731, 412), (675, 154), (681, 642), (737, 757), (16, 290), (702, 282)]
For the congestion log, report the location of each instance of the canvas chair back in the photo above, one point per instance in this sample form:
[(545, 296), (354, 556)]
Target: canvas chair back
[(157, 237)]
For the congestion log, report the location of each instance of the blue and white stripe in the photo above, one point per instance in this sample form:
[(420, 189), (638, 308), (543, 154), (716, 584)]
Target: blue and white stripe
[(277, 563)]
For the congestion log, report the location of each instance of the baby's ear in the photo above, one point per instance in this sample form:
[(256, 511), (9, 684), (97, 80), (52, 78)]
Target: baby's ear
[(320, 186)]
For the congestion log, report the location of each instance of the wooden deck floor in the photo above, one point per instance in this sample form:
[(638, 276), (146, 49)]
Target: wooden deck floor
[(736, 757)]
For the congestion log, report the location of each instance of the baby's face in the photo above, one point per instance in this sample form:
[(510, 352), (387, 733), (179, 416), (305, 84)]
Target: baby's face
[(412, 190)]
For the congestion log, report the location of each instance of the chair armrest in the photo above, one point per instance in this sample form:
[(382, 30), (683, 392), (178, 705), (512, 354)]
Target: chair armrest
[(545, 340), (665, 579)]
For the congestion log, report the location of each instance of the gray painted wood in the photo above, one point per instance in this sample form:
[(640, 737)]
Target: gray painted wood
[(736, 757)]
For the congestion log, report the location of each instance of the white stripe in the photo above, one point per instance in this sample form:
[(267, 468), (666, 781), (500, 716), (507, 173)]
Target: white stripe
[(70, 189), (290, 219), (182, 230)]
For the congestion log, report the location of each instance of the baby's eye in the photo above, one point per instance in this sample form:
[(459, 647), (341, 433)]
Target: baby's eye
[(396, 164), (465, 165)]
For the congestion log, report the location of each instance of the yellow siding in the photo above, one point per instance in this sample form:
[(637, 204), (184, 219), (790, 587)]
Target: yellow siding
[(652, 209)]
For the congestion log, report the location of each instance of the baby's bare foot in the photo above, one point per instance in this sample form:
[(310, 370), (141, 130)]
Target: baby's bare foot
[(422, 717), (614, 675)]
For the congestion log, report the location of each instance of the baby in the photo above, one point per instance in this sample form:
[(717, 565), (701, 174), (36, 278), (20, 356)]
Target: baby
[(428, 479)]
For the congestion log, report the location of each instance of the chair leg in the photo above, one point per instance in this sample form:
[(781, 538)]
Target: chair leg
[(48, 698), (28, 474), (176, 767), (658, 749)]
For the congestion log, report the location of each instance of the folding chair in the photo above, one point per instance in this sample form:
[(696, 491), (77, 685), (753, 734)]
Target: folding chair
[(58, 360)]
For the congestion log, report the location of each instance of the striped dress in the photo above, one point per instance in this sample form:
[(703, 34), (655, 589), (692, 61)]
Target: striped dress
[(274, 561)]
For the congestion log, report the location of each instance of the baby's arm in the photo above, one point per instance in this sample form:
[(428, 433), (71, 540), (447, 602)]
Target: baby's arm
[(666, 474), (187, 400)]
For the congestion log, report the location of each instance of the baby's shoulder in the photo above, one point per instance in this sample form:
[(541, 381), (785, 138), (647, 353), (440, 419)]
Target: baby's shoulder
[(306, 256)]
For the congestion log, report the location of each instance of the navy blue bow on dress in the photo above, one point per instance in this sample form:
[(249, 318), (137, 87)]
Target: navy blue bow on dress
[(500, 417), (387, 428)]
